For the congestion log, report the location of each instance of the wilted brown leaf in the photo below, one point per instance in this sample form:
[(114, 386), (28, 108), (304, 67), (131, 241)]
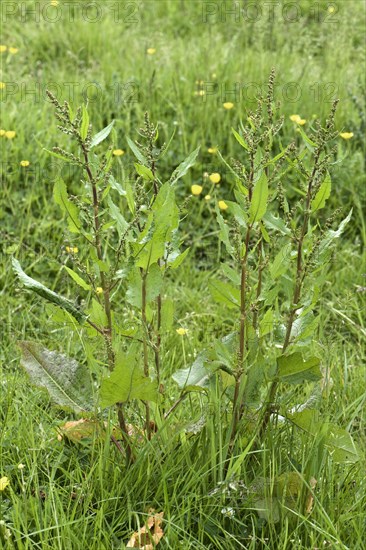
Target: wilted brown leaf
[(78, 431), (149, 535)]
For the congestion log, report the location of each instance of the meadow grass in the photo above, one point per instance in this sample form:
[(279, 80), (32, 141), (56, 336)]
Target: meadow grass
[(74, 496)]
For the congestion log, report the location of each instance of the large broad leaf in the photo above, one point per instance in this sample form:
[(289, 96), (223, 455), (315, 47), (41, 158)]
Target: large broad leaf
[(258, 205), (127, 382), (194, 378), (331, 235), (225, 293), (102, 135), (78, 280), (184, 166), (154, 283), (68, 207), (322, 195), (48, 294), (164, 219), (136, 151), (294, 370), (84, 127), (240, 139), (116, 214), (224, 233), (68, 383), (337, 440)]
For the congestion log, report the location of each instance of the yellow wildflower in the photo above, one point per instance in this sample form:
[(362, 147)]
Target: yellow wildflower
[(151, 51), (3, 48), (295, 118), (4, 482), (196, 189), (21, 466), (2, 85), (346, 135), (331, 9), (228, 105), (24, 163), (10, 134), (13, 50), (215, 177), (181, 331), (199, 92), (223, 205), (2, 132), (54, 3), (214, 75), (212, 150), (118, 152), (72, 249), (207, 197), (99, 290)]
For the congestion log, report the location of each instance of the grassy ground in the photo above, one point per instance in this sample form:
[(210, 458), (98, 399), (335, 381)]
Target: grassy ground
[(71, 497)]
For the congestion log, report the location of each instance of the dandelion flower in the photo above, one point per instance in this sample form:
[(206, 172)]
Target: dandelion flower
[(72, 249), (181, 331), (10, 134), (223, 205), (228, 105), (2, 85), (13, 50), (2, 132), (207, 197), (3, 48), (99, 290), (212, 150), (215, 177), (346, 135), (4, 482), (24, 163), (21, 466), (151, 51), (196, 189), (118, 152)]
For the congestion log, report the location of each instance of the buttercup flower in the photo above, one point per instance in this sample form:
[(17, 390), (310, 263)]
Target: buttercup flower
[(215, 177), (72, 249), (2, 132), (24, 163), (10, 134), (3, 48), (331, 9), (228, 105), (196, 189), (21, 466), (99, 290), (181, 331), (118, 152), (346, 135), (212, 150), (207, 197), (2, 85), (4, 482), (151, 51), (295, 118), (13, 50), (223, 205)]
